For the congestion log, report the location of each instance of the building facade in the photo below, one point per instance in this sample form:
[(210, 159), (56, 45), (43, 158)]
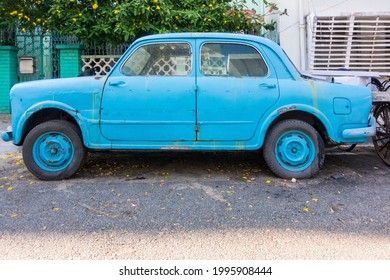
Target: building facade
[(336, 34)]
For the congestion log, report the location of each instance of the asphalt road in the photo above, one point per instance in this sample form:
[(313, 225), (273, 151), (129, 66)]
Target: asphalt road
[(195, 205)]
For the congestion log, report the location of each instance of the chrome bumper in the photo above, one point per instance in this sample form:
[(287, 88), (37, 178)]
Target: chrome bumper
[(368, 131), (7, 136)]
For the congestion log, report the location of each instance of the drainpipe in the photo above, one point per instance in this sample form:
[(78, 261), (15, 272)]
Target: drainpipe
[(302, 39), (260, 11)]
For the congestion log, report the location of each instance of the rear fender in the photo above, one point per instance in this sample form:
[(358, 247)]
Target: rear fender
[(272, 117)]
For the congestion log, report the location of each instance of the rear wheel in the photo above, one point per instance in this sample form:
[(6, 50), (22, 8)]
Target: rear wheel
[(294, 149), (54, 150)]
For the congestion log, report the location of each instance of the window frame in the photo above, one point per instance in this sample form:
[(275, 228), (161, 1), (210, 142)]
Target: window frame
[(232, 76), (160, 43)]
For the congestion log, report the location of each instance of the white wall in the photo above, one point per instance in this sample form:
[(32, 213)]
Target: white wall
[(293, 26), (258, 6)]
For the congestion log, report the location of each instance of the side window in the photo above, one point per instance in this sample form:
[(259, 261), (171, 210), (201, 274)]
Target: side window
[(168, 59), (229, 59)]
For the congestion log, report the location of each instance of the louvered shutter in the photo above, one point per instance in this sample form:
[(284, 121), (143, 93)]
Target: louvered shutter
[(356, 42)]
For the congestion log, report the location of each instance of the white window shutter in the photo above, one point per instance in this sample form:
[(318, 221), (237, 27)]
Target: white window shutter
[(355, 42)]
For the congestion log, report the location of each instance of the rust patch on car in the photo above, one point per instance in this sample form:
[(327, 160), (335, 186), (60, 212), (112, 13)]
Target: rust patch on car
[(286, 109), (314, 93)]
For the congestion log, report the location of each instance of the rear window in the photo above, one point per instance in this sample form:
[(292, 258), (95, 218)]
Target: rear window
[(229, 59)]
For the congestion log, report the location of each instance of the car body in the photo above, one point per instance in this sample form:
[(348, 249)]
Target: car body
[(190, 91)]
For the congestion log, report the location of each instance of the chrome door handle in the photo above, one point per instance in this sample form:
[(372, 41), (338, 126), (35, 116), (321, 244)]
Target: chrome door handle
[(265, 85), (116, 83)]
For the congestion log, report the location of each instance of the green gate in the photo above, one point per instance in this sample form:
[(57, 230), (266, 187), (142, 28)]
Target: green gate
[(38, 58)]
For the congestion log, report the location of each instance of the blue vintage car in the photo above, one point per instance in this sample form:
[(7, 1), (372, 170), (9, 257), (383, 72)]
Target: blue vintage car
[(191, 91)]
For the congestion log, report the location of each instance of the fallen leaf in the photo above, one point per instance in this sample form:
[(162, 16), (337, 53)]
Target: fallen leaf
[(315, 199), (305, 209), (268, 181), (56, 209), (10, 189)]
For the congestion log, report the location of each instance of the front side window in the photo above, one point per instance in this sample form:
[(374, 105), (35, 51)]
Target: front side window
[(167, 59), (229, 59)]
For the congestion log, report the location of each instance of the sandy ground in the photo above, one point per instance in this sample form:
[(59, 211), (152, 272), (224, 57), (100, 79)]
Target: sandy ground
[(240, 245)]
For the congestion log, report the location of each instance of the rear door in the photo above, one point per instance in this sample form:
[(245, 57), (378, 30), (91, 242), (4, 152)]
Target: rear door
[(235, 88)]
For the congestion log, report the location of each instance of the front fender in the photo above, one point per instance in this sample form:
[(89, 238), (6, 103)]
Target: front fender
[(19, 125)]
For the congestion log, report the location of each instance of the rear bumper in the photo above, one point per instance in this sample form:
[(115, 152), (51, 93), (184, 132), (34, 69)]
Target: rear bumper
[(368, 131)]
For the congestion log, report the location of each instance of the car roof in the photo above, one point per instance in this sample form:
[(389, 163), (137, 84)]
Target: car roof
[(208, 35), (223, 36)]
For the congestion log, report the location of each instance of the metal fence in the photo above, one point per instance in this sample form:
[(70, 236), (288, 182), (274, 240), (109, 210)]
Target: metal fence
[(101, 58)]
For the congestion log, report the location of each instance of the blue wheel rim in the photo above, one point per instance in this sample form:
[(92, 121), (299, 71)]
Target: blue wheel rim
[(295, 150), (53, 151)]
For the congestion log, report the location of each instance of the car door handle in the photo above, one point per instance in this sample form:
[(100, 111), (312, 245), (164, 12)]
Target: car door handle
[(116, 83), (265, 85)]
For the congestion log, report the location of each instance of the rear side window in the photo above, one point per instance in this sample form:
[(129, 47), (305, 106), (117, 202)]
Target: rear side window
[(229, 59), (166, 59)]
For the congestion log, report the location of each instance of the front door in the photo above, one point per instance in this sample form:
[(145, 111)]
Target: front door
[(151, 97), (235, 88)]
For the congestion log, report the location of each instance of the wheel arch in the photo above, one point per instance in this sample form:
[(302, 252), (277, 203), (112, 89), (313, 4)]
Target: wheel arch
[(302, 113), (44, 113), (306, 117)]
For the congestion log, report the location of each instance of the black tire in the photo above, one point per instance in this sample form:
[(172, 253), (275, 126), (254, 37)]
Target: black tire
[(54, 150), (294, 149)]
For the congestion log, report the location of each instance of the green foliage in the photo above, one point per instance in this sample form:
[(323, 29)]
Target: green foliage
[(118, 21)]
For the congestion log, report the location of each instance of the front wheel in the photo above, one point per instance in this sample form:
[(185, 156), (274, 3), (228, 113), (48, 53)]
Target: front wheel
[(54, 150), (294, 149)]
